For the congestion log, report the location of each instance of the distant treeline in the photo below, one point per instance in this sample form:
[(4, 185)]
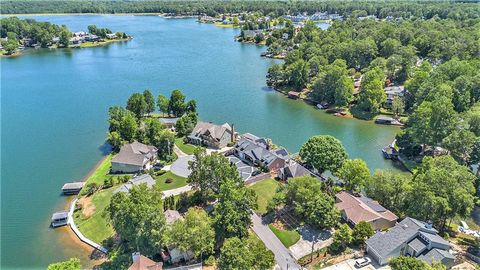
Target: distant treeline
[(381, 9)]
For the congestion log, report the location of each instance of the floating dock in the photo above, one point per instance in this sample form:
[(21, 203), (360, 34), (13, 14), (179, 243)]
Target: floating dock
[(59, 219)]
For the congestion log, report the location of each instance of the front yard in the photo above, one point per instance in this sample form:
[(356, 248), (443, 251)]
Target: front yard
[(287, 237), (168, 180), (265, 191)]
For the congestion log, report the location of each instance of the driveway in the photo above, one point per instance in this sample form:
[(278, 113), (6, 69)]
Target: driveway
[(282, 256), (243, 168), (180, 166), (350, 265), (308, 236)]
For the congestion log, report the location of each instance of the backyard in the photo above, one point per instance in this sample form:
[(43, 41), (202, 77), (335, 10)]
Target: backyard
[(265, 191), (92, 218), (100, 173)]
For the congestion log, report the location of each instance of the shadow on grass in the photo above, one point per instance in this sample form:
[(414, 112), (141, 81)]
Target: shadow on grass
[(357, 113)]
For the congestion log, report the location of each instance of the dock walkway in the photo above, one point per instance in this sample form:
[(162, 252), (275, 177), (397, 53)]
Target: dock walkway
[(75, 229)]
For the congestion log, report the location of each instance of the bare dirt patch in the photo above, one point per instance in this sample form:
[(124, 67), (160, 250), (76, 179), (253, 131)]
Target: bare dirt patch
[(88, 208)]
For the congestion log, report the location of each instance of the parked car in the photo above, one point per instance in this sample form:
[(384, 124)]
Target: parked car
[(362, 262), (158, 166), (256, 173)]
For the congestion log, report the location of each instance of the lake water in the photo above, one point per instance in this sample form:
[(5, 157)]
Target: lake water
[(54, 105)]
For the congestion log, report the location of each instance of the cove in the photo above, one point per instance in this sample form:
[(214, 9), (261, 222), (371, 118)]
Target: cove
[(54, 109)]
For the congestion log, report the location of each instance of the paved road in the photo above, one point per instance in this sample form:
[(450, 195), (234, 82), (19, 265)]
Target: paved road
[(282, 255), (176, 191)]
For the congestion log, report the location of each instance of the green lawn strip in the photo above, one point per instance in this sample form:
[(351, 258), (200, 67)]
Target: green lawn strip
[(287, 237), (100, 173), (265, 191), (97, 227), (177, 182), (185, 147)]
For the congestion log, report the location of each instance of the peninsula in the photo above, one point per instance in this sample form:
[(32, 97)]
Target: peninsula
[(19, 34)]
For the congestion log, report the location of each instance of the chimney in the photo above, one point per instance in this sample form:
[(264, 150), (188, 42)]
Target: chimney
[(135, 256), (429, 225), (232, 137)]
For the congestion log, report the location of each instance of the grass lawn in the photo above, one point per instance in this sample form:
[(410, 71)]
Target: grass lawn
[(265, 190), (185, 147), (178, 181), (97, 227), (100, 173), (287, 237)]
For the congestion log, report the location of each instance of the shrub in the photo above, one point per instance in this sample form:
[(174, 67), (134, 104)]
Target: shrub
[(168, 180)]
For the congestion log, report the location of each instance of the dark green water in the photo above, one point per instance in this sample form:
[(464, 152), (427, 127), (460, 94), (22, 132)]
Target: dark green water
[(54, 106)]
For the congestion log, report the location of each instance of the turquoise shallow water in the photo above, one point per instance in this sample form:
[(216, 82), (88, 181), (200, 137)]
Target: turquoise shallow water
[(54, 105)]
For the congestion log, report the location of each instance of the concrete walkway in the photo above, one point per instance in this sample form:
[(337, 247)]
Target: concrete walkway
[(283, 256), (79, 234), (176, 191)]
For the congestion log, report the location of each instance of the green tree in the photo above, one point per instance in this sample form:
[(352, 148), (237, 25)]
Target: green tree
[(441, 189), (233, 209), (323, 152), (193, 233), (237, 254), (64, 37), (298, 74), (361, 232), (354, 173), (185, 124), (341, 238), (115, 140), (372, 95), (136, 103), (309, 201), (209, 171), (162, 104), (71, 264), (149, 100), (390, 189), (398, 106), (460, 143), (11, 44), (128, 126), (407, 263), (176, 104), (138, 218)]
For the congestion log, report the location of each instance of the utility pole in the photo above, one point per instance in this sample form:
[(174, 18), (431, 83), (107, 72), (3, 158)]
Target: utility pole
[(313, 247)]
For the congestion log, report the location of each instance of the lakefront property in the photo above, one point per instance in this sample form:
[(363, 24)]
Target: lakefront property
[(270, 182)]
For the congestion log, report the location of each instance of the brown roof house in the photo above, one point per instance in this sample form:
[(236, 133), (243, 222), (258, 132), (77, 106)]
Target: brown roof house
[(175, 255), (141, 262), (211, 135), (133, 157), (356, 208)]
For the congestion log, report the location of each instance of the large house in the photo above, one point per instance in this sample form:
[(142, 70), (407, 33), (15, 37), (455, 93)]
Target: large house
[(133, 157), (211, 135), (356, 207), (141, 262), (293, 170), (175, 255), (256, 151), (142, 179), (392, 92), (412, 238)]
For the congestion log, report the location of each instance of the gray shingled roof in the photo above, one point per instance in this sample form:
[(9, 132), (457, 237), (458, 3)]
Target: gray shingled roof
[(134, 154), (386, 242), (417, 245), (142, 179), (212, 130), (60, 215), (436, 255)]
